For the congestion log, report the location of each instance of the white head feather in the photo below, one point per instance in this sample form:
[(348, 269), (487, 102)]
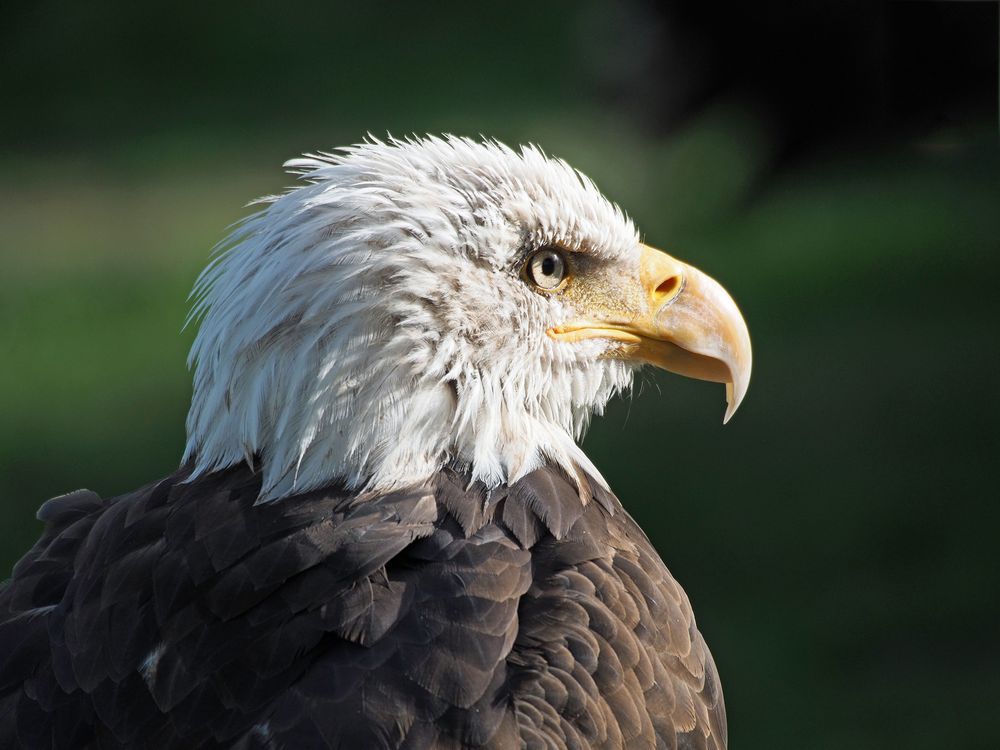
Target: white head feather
[(371, 326)]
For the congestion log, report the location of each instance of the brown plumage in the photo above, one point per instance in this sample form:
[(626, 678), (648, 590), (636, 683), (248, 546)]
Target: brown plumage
[(184, 615)]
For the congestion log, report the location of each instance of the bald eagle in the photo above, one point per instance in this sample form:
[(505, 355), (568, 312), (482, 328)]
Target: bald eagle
[(383, 533)]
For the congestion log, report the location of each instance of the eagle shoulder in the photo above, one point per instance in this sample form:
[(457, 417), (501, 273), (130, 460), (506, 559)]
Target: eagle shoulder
[(185, 614)]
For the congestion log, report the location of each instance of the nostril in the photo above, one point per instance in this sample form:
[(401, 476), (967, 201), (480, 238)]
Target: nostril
[(668, 286)]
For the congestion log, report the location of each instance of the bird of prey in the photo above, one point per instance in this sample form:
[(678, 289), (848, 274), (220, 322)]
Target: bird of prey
[(383, 533)]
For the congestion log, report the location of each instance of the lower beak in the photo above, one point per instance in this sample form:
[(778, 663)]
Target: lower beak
[(690, 326)]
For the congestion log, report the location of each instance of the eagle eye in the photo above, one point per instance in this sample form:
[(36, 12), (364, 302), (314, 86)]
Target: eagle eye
[(546, 269)]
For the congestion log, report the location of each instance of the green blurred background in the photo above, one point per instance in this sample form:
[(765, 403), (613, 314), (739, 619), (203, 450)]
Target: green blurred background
[(833, 164)]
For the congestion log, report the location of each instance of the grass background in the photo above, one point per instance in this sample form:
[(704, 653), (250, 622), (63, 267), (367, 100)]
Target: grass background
[(838, 539)]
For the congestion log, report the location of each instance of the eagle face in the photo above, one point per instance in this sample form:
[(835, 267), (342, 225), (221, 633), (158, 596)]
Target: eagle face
[(421, 303)]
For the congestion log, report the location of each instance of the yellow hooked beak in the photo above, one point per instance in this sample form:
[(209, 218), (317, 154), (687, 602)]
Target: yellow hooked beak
[(688, 324)]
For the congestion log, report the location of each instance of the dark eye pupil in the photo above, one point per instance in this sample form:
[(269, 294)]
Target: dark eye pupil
[(548, 265)]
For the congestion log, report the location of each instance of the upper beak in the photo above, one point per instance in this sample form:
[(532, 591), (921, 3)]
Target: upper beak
[(690, 326)]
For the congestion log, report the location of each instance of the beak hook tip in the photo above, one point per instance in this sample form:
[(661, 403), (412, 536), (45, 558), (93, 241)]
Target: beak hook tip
[(733, 401)]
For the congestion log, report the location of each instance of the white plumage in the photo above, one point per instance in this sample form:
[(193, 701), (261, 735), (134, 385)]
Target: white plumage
[(371, 324)]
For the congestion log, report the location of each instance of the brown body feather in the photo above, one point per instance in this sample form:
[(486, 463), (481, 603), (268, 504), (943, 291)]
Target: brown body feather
[(185, 616)]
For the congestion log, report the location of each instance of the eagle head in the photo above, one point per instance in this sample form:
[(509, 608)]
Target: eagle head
[(415, 304)]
